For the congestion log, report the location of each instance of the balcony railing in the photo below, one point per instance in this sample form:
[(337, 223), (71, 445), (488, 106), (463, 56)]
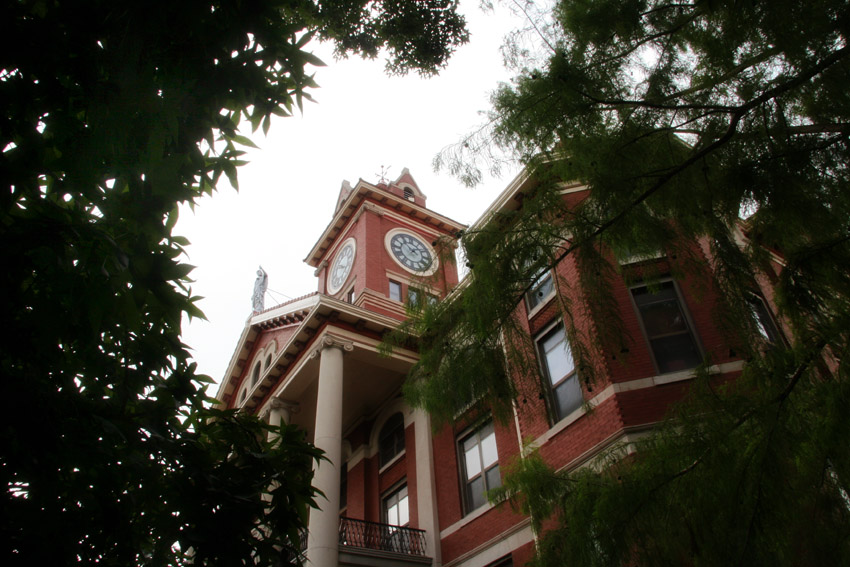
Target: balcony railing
[(371, 535)]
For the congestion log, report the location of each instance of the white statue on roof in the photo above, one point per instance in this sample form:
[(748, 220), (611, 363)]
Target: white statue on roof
[(261, 284)]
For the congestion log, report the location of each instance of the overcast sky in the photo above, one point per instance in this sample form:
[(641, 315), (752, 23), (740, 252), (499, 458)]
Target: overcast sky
[(362, 120)]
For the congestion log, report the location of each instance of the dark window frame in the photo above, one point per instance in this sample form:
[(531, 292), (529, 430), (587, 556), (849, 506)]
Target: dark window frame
[(666, 289), (255, 374), (391, 442), (764, 319)]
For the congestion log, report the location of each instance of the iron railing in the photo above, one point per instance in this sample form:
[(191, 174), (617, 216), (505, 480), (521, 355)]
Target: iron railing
[(371, 535)]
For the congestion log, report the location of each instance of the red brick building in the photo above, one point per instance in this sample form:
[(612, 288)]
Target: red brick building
[(398, 495)]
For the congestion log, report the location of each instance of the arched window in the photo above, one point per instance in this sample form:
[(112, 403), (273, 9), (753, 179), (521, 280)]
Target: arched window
[(391, 439), (256, 375), (408, 193)]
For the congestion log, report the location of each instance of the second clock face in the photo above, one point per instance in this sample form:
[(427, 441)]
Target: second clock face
[(411, 252), (341, 266)]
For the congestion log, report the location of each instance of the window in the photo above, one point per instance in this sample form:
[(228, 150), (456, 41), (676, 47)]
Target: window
[(480, 466), (540, 290), (414, 295), (560, 371), (395, 290), (506, 561), (256, 375), (391, 439), (396, 511), (349, 297), (666, 327), (763, 319), (408, 193)]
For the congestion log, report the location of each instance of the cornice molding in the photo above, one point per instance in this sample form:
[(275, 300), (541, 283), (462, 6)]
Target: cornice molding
[(330, 341)]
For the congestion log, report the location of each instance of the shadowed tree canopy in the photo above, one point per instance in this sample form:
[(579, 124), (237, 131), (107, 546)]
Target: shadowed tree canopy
[(113, 113), (680, 117)]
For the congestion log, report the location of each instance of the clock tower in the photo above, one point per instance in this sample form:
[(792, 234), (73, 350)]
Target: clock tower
[(316, 362), (384, 247)]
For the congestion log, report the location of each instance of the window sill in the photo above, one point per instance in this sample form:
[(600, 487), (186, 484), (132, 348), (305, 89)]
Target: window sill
[(392, 461), (637, 384), (540, 306), (471, 516)]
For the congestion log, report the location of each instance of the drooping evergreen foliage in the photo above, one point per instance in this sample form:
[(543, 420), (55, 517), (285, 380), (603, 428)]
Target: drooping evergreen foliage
[(681, 118), (113, 113)]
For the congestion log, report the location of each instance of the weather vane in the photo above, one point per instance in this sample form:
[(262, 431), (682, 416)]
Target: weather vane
[(384, 171)]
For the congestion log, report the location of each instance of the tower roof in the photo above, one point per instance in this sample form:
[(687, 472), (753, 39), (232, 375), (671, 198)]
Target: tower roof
[(391, 196)]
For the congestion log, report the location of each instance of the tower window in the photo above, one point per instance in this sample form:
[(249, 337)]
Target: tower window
[(395, 291), (408, 193)]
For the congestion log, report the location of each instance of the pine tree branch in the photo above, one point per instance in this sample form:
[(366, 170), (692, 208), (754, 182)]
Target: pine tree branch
[(705, 152), (743, 66), (778, 399), (533, 23)]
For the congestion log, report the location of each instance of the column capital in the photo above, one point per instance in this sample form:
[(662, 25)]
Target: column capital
[(330, 341), (278, 404)]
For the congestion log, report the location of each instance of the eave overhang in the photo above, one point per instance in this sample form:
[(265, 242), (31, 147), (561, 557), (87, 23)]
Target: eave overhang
[(310, 314), (363, 191)]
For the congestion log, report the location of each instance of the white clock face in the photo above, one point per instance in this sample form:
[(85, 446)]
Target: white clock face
[(342, 266), (411, 252)]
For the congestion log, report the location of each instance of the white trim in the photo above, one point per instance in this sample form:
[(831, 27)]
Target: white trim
[(286, 309), (638, 384), (393, 461), (495, 548), (641, 257), (356, 456), (572, 187), (475, 514)]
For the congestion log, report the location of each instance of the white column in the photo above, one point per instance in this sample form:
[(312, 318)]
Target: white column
[(279, 410), (426, 488), (323, 541)]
